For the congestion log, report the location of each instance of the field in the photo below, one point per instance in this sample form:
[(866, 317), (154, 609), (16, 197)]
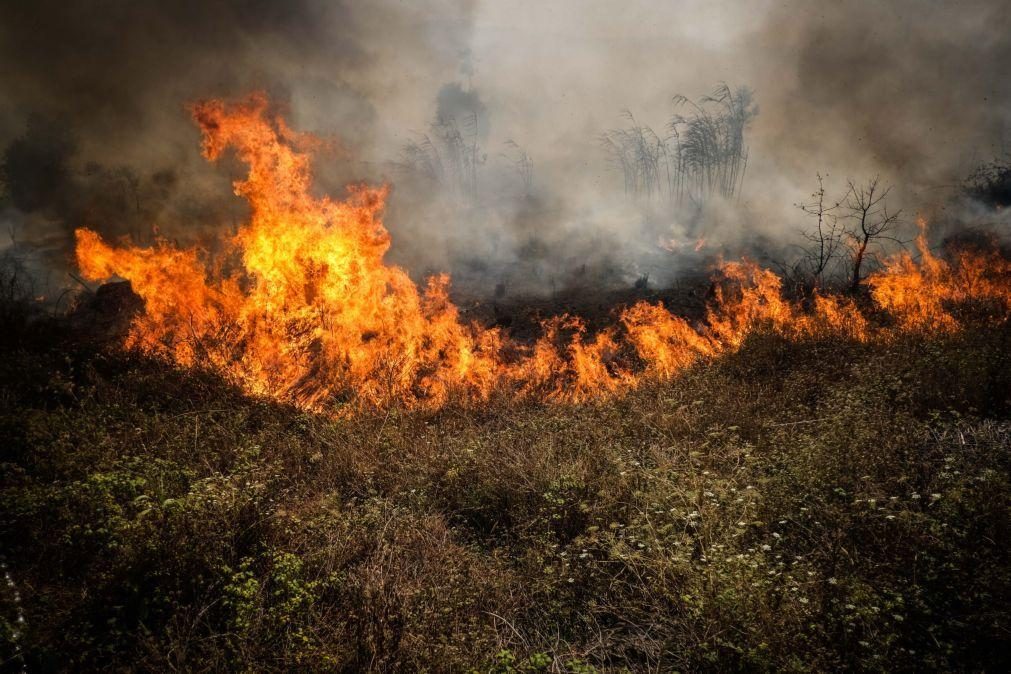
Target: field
[(505, 338), (796, 505)]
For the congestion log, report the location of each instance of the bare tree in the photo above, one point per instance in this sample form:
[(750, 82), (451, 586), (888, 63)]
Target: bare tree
[(870, 223), (826, 238)]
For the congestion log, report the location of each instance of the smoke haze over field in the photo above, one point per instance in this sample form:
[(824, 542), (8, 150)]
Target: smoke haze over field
[(93, 115)]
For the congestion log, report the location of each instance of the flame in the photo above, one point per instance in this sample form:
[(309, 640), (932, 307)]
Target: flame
[(309, 311), (920, 295)]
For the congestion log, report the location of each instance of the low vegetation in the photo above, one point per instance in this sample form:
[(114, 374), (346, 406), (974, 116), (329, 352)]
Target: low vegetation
[(797, 505)]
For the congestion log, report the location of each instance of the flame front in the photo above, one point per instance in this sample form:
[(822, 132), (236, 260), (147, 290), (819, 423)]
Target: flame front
[(311, 313), (919, 294)]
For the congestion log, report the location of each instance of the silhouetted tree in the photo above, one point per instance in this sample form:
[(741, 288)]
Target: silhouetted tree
[(35, 168), (991, 183), (870, 223), (825, 238)]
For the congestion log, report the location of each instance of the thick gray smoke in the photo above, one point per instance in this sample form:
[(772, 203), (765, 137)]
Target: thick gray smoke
[(913, 89), (487, 117), (93, 122)]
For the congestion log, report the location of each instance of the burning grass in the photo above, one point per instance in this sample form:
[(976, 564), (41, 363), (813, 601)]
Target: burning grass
[(313, 314)]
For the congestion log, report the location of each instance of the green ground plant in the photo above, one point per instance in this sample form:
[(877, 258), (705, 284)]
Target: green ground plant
[(797, 506)]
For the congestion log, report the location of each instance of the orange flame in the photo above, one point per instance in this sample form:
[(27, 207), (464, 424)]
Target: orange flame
[(920, 295), (314, 315)]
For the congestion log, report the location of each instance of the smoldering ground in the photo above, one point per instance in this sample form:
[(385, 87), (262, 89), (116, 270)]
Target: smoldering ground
[(487, 118)]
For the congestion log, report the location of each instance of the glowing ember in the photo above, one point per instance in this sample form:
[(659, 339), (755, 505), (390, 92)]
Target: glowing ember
[(314, 315)]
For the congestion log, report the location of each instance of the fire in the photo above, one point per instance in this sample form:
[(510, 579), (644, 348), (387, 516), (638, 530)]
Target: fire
[(920, 295), (304, 308), (314, 312)]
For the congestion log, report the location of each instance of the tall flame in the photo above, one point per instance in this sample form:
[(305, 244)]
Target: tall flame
[(312, 313)]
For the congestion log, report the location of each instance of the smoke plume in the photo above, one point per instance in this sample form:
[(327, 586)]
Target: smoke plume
[(487, 117)]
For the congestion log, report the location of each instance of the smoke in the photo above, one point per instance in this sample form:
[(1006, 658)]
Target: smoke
[(93, 117), (914, 89), (504, 104)]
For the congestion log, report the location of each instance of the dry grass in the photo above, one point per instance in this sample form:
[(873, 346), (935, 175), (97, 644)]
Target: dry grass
[(821, 505)]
